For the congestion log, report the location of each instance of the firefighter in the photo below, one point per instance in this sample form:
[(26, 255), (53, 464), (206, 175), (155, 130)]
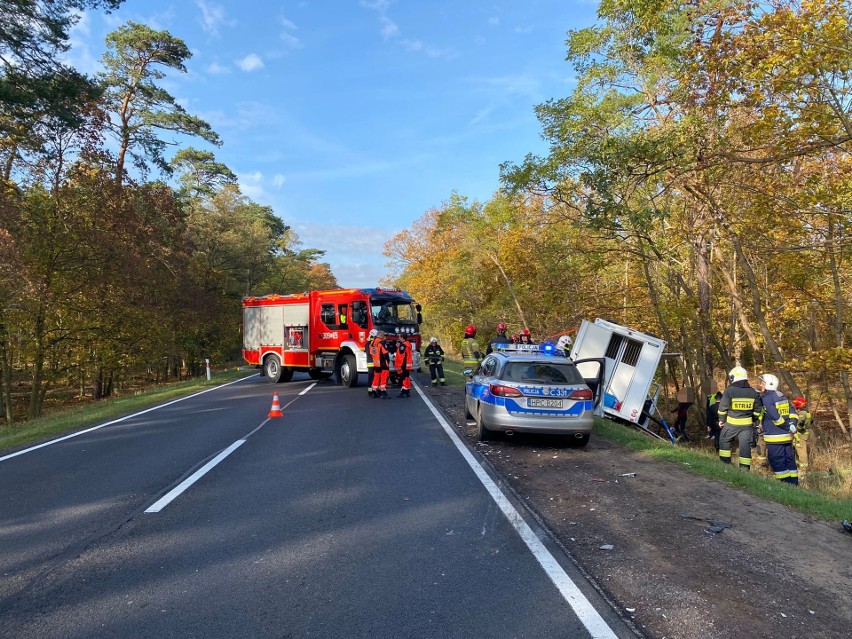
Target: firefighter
[(370, 367), (736, 416), (563, 345), (381, 366), (525, 337), (404, 363), (779, 426), (434, 355), (499, 339), (802, 434), (470, 352)]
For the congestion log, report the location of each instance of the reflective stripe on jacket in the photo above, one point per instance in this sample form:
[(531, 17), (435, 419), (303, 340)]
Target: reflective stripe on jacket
[(470, 351), (736, 407), (776, 418)]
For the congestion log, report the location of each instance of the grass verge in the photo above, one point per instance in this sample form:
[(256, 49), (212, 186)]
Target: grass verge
[(708, 465), (68, 421)]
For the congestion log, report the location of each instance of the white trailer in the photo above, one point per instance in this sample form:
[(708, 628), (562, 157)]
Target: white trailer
[(631, 363)]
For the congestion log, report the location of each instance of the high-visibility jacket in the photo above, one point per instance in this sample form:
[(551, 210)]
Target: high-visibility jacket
[(379, 354), (736, 408), (805, 419), (776, 417), (470, 352), (404, 358)]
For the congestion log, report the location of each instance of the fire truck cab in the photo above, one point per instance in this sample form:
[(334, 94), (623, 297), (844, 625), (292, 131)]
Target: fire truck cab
[(324, 332)]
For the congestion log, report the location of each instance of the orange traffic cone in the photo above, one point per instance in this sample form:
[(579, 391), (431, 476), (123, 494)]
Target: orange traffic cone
[(275, 411)]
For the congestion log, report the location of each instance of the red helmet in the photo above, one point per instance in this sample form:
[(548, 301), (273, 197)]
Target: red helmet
[(800, 402), (501, 327), (514, 339), (470, 331), (526, 332)]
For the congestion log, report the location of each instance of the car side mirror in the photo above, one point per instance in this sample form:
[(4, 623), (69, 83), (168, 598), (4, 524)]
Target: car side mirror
[(468, 372)]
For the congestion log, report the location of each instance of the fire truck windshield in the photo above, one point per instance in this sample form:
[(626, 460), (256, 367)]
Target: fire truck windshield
[(393, 312)]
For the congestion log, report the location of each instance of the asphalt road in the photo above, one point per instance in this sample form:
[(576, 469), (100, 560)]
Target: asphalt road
[(346, 517)]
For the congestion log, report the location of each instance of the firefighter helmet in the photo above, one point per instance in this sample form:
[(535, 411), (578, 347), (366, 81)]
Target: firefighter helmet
[(373, 333), (737, 374), (564, 342), (770, 380), (433, 340), (470, 331), (800, 402), (501, 327), (525, 331)]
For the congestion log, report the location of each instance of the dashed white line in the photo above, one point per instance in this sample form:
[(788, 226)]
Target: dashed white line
[(166, 499)]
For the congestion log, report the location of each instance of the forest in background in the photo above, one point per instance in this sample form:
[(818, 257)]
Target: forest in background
[(106, 274), (698, 187)]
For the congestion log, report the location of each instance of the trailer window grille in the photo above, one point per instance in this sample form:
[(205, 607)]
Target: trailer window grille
[(614, 344), (631, 352)]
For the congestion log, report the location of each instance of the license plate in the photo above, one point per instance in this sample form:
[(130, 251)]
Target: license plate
[(540, 402)]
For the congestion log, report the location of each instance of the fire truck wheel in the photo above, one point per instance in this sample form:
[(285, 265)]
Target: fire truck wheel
[(314, 373), (347, 371), (272, 369), (286, 373)]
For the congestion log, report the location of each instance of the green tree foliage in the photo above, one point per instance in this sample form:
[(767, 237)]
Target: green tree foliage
[(700, 167), (136, 59)]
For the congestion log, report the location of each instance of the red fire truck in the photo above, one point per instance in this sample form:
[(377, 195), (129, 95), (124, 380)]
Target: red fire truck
[(324, 332)]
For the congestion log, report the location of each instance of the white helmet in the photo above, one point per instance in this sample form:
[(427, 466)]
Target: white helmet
[(564, 342), (737, 374), (770, 380), (373, 333), (433, 340)]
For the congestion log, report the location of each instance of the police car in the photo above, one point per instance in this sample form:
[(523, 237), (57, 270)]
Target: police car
[(531, 389)]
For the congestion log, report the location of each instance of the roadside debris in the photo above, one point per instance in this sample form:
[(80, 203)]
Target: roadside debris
[(715, 526), (627, 475), (847, 525)]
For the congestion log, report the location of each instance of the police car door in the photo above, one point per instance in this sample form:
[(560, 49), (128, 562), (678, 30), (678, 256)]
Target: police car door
[(593, 370)]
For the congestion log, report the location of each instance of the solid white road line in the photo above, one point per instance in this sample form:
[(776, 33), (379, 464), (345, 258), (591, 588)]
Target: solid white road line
[(116, 421), (166, 499), (582, 607), (308, 388)]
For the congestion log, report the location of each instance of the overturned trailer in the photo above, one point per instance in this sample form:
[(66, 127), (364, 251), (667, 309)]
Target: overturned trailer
[(629, 391)]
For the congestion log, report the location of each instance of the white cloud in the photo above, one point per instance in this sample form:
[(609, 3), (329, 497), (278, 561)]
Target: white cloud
[(212, 16), (278, 180), (389, 29), (527, 29), (353, 252), (289, 39), (252, 62), (215, 68), (493, 22)]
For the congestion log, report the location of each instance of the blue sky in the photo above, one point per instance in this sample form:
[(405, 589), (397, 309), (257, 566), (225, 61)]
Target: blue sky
[(353, 118)]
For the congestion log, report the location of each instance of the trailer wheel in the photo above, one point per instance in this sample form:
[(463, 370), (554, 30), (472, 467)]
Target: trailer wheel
[(347, 371), (273, 370)]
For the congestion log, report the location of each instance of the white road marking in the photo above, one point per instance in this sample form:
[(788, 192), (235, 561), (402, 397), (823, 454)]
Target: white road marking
[(116, 421), (166, 499), (582, 607)]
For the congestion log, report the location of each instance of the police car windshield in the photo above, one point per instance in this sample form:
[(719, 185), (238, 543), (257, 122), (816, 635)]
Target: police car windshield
[(393, 312)]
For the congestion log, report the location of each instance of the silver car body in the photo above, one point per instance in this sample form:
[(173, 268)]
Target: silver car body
[(529, 390)]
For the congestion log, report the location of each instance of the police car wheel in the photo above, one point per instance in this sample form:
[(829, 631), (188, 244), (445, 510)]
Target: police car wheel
[(482, 433)]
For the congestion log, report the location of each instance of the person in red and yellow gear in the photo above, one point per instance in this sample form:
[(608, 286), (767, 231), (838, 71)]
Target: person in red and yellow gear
[(381, 366), (802, 434), (471, 355), (404, 363)]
